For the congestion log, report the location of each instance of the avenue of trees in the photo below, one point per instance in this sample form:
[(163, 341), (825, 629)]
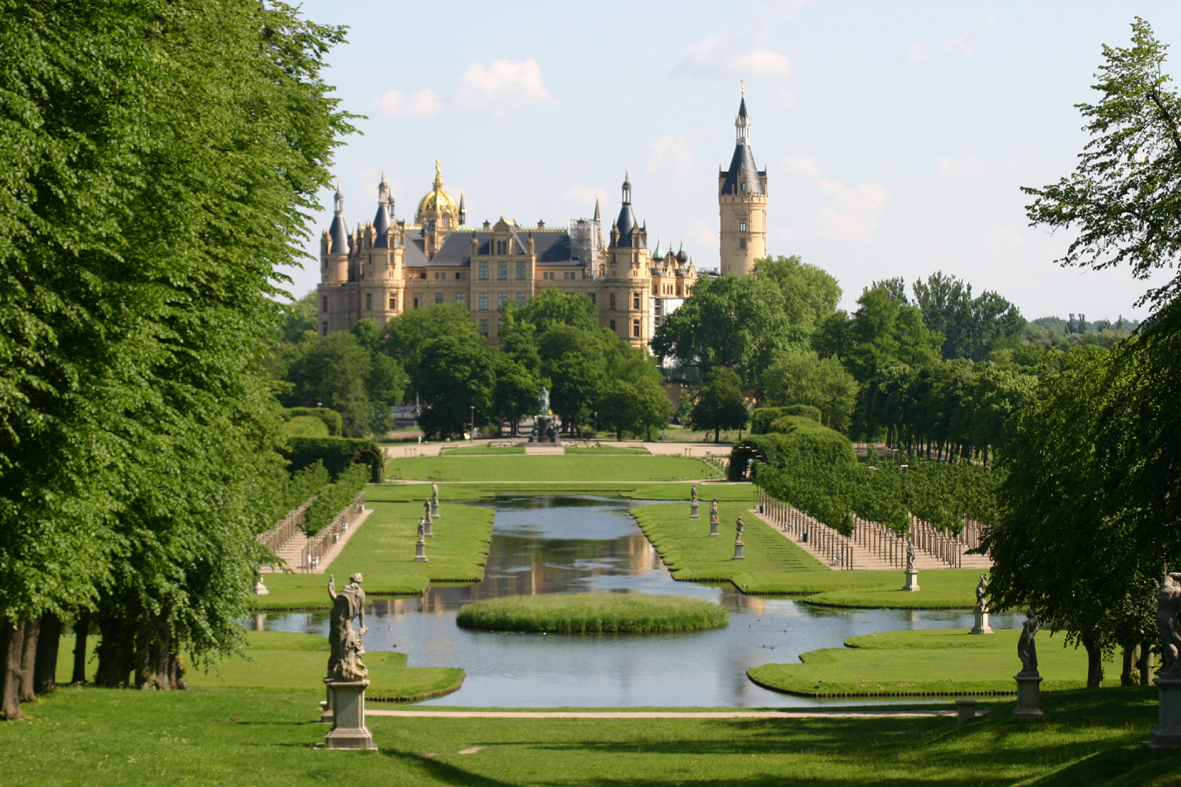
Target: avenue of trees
[(159, 162)]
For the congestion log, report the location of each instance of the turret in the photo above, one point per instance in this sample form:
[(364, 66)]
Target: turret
[(742, 203), (335, 263)]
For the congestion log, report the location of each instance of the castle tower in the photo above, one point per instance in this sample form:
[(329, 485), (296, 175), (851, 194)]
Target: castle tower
[(628, 274), (742, 202)]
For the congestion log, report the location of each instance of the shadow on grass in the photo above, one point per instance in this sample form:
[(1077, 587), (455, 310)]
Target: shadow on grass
[(443, 772)]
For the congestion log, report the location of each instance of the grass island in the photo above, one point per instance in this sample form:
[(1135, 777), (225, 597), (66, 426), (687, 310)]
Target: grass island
[(593, 613)]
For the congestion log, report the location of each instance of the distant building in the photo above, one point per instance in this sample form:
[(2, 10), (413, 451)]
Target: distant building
[(742, 201)]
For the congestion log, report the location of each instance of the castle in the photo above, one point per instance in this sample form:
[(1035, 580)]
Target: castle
[(386, 267)]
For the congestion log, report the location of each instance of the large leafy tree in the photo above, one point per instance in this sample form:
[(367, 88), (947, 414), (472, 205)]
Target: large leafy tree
[(572, 360), (971, 327), (805, 378), (160, 159), (720, 403), (810, 295)]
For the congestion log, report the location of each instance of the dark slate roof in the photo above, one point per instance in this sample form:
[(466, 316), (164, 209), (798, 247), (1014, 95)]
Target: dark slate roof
[(625, 223), (551, 247), (743, 162), (742, 108), (338, 234), (381, 224)]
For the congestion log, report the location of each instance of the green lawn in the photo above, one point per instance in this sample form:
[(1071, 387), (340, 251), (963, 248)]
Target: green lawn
[(606, 450), (928, 662), (482, 450), (574, 468), (592, 613), (383, 550), (231, 736)]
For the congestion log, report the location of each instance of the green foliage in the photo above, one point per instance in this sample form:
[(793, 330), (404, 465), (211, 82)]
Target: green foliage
[(763, 418), (404, 336), (299, 319), (971, 327), (592, 613), (455, 372), (337, 454), (720, 403), (810, 295), (332, 420), (805, 379), (300, 487), (305, 426), (577, 467), (1122, 202), (553, 307), (334, 498), (572, 359)]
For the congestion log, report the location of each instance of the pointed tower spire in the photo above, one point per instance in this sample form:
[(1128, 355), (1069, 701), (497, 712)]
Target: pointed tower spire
[(659, 253), (598, 216), (462, 209), (338, 233), (381, 221)]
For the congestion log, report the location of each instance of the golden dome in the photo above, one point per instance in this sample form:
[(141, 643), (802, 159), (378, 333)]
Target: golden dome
[(437, 202)]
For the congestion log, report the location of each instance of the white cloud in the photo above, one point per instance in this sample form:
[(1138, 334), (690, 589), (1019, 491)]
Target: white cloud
[(920, 52), (967, 167), (843, 212), (424, 103), (673, 156), (745, 53), (760, 63), (502, 87), (787, 98)]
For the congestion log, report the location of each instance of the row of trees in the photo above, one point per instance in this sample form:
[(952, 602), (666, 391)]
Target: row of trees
[(160, 159)]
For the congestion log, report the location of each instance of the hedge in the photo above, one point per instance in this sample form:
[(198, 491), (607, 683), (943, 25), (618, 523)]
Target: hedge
[(813, 443), (331, 418), (334, 499), (336, 453), (762, 420)]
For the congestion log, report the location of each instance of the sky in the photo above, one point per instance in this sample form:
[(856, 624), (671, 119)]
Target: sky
[(896, 135)]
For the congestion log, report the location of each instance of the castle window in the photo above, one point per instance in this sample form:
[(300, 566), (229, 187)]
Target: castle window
[(501, 299), (520, 270), (484, 270), (635, 329), (742, 187), (393, 302), (592, 297), (612, 307), (742, 225), (483, 327), (438, 297), (417, 301), (368, 301), (502, 270), (484, 303), (635, 300), (520, 300), (324, 329), (613, 325), (742, 243), (461, 298), (461, 274), (325, 303), (502, 247), (654, 289)]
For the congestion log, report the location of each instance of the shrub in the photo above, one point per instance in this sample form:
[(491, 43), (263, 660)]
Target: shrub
[(336, 453), (763, 419), (305, 426), (334, 498), (332, 420)]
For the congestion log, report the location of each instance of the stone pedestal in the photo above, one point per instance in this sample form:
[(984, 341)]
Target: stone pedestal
[(426, 531), (693, 513), (348, 716), (713, 529), (1167, 733), (738, 545), (981, 626), (326, 704), (1029, 691), (420, 552), (434, 508), (966, 710), (912, 580)]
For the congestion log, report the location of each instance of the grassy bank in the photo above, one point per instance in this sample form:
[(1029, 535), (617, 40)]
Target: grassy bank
[(573, 468), (679, 490), (592, 613), (231, 736), (383, 550), (945, 588), (927, 662)]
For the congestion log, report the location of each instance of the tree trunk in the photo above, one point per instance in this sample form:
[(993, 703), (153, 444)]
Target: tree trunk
[(116, 655), (45, 671), (29, 660), (1145, 664), (11, 640), (1126, 675), (1094, 661), (717, 432), (81, 629)]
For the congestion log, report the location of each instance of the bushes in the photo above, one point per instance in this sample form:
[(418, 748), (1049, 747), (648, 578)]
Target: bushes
[(334, 498), (302, 484), (763, 419), (331, 418), (809, 442), (336, 453)]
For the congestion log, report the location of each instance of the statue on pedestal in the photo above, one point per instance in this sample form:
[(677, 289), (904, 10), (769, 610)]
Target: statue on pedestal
[(1169, 604), (346, 644), (740, 526), (543, 402), (981, 594), (713, 511), (909, 556), (1027, 648), (694, 491), (426, 504)]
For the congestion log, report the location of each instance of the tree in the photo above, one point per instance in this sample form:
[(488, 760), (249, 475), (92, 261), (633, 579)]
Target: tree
[(735, 322), (406, 333), (805, 378), (810, 295), (454, 375), (1124, 198), (299, 317), (720, 403), (633, 405), (971, 327), (556, 308), (515, 396), (572, 359)]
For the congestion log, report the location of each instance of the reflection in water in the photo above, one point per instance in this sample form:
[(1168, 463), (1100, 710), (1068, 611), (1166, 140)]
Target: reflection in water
[(581, 544)]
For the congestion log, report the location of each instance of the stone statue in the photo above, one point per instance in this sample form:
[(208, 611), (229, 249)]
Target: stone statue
[(713, 510), (435, 491), (981, 593), (1026, 647), (740, 526), (909, 556), (694, 490), (426, 504), (346, 644), (421, 531), (1167, 623), (543, 401)]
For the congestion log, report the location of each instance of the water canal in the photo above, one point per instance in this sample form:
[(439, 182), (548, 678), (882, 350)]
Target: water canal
[(584, 544)]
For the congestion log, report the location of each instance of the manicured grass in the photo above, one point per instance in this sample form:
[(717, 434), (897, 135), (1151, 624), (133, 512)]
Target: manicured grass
[(927, 662), (686, 548), (234, 736), (581, 468), (606, 450), (383, 550), (592, 613), (482, 450), (724, 491), (279, 661), (946, 588)]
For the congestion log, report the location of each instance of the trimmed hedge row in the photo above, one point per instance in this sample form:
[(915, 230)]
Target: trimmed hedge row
[(820, 445), (334, 498), (331, 418), (336, 453), (762, 420), (303, 484)]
